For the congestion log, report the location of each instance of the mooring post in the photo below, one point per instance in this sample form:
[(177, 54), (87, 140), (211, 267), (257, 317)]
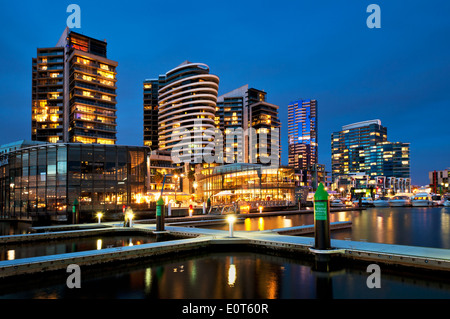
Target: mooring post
[(160, 214), (321, 219), (76, 212)]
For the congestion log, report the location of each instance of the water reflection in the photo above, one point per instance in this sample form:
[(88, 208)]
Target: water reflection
[(416, 226), (231, 273), (45, 248), (241, 275), (14, 228)]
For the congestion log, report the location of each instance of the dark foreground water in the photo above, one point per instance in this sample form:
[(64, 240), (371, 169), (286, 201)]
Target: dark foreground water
[(250, 275), (220, 275)]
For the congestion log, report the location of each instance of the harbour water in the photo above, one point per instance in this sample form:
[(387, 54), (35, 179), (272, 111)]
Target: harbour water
[(414, 226), (255, 275), (55, 247), (224, 275)]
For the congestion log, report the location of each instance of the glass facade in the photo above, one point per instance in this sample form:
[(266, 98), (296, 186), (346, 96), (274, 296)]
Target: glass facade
[(250, 182), (47, 179), (151, 114), (302, 133), (74, 92)]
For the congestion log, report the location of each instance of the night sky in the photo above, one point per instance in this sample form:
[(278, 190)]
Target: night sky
[(320, 50)]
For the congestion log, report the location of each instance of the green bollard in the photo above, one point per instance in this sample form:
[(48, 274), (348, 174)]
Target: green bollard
[(160, 214), (321, 219), (76, 212)]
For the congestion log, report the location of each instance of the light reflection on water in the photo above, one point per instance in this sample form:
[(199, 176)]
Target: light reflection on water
[(415, 226), (45, 248), (236, 275)]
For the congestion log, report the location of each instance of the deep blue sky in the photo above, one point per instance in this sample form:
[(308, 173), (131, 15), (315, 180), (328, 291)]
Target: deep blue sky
[(399, 74)]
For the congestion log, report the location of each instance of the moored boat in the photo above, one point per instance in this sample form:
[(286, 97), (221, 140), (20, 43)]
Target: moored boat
[(399, 201), (421, 200), (337, 203), (381, 202)]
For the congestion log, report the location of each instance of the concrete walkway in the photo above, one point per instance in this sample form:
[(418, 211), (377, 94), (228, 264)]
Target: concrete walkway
[(418, 257)]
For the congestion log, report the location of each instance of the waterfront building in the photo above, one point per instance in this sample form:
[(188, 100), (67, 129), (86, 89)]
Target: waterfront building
[(6, 148), (151, 114), (187, 97), (161, 164), (440, 181), (74, 92), (248, 182), (251, 125), (43, 181), (302, 134), (363, 148), (232, 116), (303, 143)]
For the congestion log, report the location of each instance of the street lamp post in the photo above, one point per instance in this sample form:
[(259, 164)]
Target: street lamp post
[(99, 216), (231, 219), (176, 187)]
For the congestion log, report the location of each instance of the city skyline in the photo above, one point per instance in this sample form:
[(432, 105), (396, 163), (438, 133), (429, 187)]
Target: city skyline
[(354, 72)]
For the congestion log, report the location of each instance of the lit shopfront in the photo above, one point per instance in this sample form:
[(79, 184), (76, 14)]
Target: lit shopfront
[(248, 182), (46, 180)]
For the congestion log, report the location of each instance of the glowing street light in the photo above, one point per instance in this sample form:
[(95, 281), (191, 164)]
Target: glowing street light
[(99, 216), (129, 215), (260, 209), (231, 219)]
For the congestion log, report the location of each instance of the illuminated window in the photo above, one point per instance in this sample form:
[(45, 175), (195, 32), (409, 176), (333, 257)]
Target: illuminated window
[(87, 78), (106, 74), (53, 139), (105, 141), (84, 140), (106, 82), (84, 61)]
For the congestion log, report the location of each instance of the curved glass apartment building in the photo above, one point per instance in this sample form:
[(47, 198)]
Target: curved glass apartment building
[(187, 105)]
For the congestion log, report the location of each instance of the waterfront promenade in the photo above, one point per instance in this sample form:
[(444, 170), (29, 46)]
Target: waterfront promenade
[(191, 239)]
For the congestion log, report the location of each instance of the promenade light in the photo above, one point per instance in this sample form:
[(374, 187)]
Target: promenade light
[(231, 220), (130, 216), (99, 216), (260, 209)]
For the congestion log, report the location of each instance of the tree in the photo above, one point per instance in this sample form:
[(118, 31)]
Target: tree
[(191, 175), (159, 177)]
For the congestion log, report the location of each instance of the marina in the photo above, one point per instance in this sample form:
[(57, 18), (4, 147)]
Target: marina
[(183, 249)]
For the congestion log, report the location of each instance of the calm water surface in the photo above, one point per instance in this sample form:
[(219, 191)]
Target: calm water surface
[(415, 226), (241, 275), (54, 247)]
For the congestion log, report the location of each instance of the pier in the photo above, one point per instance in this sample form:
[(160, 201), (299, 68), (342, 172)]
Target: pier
[(188, 238)]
